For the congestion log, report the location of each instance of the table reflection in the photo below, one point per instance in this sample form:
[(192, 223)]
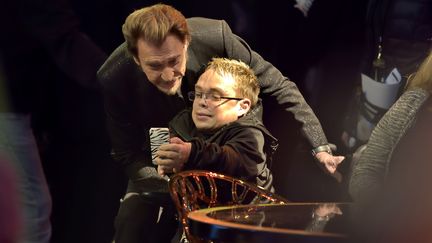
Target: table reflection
[(294, 222)]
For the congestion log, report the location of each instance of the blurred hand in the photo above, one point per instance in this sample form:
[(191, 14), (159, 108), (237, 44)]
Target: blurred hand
[(328, 210), (330, 163), (172, 157), (345, 139)]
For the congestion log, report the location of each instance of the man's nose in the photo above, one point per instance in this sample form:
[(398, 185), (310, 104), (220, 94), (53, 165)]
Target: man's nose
[(203, 101), (167, 74)]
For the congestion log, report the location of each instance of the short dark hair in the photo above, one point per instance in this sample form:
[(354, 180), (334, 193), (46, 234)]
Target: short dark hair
[(153, 24)]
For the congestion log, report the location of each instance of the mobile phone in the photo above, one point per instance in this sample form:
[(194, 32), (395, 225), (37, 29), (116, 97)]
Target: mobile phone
[(158, 136)]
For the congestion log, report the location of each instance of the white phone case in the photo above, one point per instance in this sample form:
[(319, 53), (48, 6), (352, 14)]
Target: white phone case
[(158, 136)]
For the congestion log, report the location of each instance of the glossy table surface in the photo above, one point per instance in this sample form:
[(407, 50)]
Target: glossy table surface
[(294, 222)]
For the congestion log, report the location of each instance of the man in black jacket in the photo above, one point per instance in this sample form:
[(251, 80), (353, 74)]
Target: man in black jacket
[(144, 82), (42, 48)]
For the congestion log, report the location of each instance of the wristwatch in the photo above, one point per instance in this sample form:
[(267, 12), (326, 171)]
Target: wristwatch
[(322, 148)]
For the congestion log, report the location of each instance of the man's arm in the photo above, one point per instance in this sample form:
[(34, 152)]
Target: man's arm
[(273, 84), (277, 86), (126, 135), (215, 38)]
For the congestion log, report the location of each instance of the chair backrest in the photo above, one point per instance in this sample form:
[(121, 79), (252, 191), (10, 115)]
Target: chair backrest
[(197, 189)]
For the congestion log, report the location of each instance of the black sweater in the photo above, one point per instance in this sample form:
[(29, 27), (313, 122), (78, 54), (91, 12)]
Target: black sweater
[(242, 149)]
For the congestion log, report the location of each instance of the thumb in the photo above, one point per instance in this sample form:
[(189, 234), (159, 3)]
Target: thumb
[(176, 140), (160, 170), (339, 159)]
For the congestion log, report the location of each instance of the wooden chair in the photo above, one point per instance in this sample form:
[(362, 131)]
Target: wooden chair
[(197, 189)]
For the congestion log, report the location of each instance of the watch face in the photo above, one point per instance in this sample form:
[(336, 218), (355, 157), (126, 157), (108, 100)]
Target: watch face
[(158, 136)]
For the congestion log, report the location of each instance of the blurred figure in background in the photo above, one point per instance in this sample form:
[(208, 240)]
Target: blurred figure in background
[(390, 180), (10, 210), (399, 35), (40, 40), (10, 220)]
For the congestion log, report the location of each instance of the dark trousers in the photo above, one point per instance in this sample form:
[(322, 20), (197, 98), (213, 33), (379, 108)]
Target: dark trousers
[(137, 220)]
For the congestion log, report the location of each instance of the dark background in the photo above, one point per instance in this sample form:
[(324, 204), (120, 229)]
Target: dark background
[(322, 54)]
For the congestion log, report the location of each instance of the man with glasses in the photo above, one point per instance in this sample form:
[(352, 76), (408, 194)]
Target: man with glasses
[(223, 132), (144, 83)]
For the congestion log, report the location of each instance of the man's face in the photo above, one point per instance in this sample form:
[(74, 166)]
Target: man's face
[(209, 114), (164, 65)]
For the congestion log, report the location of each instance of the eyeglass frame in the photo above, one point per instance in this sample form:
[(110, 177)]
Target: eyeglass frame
[(193, 94)]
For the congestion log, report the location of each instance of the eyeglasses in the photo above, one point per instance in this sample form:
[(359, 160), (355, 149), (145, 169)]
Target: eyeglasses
[(209, 96)]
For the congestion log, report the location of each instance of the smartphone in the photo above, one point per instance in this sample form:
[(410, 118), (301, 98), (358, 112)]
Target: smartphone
[(158, 136)]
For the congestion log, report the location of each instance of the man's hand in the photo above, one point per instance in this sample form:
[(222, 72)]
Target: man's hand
[(330, 163), (171, 157), (327, 210)]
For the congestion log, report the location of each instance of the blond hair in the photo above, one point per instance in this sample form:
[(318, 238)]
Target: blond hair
[(246, 83), (153, 24), (423, 77)]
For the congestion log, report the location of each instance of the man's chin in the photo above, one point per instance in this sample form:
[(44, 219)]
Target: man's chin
[(171, 91)]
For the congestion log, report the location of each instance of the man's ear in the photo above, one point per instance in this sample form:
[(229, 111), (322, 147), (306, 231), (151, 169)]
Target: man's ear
[(243, 107)]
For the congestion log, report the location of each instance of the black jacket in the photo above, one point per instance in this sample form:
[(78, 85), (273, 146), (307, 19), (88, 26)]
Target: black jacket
[(242, 149), (133, 104)]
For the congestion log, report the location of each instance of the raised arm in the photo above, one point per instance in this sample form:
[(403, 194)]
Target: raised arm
[(277, 87)]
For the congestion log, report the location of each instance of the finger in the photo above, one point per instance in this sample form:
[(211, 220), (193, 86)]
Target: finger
[(168, 147), (165, 169), (176, 140), (167, 154), (331, 167), (338, 159), (338, 211), (164, 162), (160, 171)]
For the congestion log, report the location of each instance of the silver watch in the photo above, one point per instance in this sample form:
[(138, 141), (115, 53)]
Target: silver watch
[(322, 148)]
